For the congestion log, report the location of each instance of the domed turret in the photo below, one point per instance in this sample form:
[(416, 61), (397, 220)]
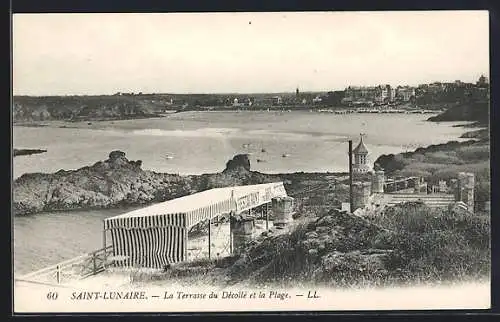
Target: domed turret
[(361, 164), (361, 148)]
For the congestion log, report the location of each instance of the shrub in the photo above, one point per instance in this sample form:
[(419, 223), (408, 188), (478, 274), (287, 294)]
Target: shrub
[(474, 153), (433, 244), (443, 157)]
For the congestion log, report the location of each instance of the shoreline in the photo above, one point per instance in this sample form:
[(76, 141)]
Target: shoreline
[(118, 182), (63, 123), (132, 186), (145, 187)]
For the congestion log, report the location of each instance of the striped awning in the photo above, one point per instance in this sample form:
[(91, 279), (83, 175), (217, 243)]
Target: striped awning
[(155, 236), (189, 210)]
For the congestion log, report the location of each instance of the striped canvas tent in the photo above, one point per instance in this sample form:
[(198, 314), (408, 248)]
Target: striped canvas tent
[(157, 235)]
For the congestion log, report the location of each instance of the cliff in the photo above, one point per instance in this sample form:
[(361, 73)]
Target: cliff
[(474, 111), (80, 108)]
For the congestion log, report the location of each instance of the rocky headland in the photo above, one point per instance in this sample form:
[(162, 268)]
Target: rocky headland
[(118, 182)]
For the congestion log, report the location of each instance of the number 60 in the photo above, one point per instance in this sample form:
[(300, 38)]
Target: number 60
[(52, 296)]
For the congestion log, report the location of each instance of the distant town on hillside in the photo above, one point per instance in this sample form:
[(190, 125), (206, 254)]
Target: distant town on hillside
[(436, 95)]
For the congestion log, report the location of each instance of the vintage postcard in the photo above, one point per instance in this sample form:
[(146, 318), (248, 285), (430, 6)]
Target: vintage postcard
[(287, 161)]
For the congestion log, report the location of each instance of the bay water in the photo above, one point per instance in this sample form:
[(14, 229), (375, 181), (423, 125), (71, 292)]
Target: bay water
[(195, 143)]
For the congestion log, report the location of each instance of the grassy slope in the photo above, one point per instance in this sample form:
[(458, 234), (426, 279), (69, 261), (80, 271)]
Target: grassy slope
[(444, 162), (408, 244), (472, 111)]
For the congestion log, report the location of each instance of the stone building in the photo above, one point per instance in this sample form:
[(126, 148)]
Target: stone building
[(405, 93), (377, 94)]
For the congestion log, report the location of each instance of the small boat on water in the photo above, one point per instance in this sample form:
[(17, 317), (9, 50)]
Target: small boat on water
[(168, 157), (260, 160), (263, 150), (285, 155)]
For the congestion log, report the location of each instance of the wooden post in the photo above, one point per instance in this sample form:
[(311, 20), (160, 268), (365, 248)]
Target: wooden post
[(230, 233), (209, 237), (267, 216), (58, 274), (94, 264), (105, 256), (351, 199)]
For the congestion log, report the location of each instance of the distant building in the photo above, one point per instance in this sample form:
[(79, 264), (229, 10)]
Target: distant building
[(393, 94), (242, 102), (317, 99), (277, 100), (377, 94), (435, 88), (483, 81), (405, 93)]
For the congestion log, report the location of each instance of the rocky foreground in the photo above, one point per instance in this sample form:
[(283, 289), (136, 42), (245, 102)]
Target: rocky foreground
[(118, 182), (406, 244)]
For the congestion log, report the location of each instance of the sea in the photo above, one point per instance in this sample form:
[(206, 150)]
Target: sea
[(195, 143)]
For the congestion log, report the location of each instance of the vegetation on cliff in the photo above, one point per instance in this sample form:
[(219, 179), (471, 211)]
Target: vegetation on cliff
[(444, 162), (79, 108), (472, 111), (410, 243)]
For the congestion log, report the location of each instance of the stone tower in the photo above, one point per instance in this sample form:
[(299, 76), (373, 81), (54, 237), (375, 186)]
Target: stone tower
[(282, 210), (361, 158), (378, 180), (361, 194)]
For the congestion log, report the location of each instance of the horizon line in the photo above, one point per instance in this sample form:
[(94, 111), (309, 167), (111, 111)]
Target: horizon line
[(245, 93)]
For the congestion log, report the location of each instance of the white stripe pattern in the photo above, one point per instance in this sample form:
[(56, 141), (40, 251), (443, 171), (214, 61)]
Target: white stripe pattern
[(157, 235)]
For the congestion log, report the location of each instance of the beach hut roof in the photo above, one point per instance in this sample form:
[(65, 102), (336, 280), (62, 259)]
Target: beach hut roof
[(213, 201)]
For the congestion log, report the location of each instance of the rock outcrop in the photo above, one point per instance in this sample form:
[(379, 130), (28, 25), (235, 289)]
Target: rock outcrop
[(334, 245), (473, 111), (113, 182), (238, 163), (118, 181)]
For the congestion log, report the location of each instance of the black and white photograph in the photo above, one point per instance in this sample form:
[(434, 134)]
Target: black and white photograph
[(237, 162)]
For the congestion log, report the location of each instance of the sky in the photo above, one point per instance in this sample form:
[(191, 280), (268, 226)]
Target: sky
[(86, 54)]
